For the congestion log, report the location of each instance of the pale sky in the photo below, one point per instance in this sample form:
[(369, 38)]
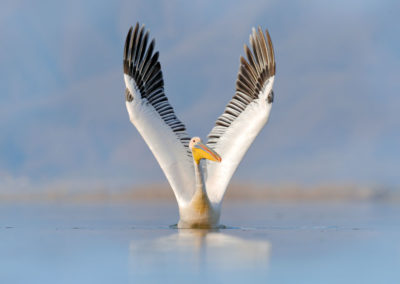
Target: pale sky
[(335, 117)]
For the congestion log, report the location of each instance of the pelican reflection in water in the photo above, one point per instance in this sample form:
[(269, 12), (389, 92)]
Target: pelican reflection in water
[(199, 250)]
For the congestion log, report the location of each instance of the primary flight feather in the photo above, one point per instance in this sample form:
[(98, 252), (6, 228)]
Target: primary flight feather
[(199, 187)]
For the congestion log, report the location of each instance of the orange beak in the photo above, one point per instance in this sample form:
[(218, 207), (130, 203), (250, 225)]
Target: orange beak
[(201, 151)]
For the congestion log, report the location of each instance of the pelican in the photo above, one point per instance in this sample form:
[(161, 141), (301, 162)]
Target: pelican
[(198, 172)]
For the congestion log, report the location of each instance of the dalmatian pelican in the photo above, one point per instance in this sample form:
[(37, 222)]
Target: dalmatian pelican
[(198, 172)]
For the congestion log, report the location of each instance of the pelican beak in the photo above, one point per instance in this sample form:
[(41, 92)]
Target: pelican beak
[(201, 151)]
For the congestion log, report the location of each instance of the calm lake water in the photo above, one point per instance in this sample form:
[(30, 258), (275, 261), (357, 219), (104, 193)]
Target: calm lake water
[(264, 243)]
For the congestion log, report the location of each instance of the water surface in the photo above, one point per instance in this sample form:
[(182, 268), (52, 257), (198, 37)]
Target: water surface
[(264, 243)]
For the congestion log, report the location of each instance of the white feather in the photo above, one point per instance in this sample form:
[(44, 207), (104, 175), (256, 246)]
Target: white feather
[(163, 143), (234, 143)]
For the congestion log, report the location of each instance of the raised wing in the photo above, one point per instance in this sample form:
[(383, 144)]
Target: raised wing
[(153, 116), (245, 114)]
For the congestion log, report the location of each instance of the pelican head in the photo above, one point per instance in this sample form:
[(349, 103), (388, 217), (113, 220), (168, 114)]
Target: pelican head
[(201, 151)]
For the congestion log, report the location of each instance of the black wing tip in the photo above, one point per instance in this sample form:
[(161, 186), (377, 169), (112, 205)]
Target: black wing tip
[(126, 49), (261, 44), (140, 60), (259, 64), (134, 49), (271, 49)]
